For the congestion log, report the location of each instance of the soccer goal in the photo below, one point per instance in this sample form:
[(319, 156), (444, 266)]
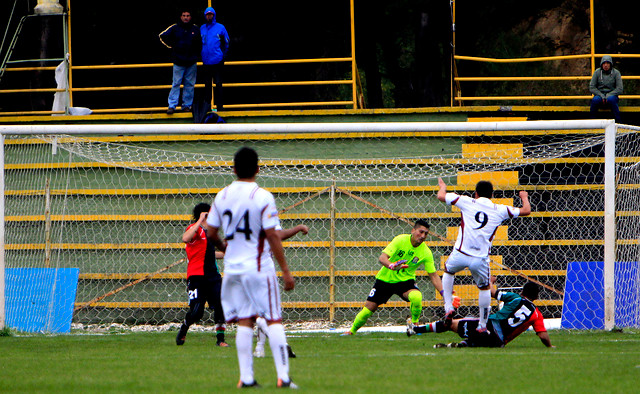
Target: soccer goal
[(93, 214)]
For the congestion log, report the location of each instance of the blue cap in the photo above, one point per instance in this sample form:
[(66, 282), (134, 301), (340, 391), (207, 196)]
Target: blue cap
[(209, 10)]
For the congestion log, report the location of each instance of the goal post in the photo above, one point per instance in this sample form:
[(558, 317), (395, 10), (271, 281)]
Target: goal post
[(115, 199), (609, 225)]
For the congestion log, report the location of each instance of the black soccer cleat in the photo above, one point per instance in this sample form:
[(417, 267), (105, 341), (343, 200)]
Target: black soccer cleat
[(182, 335), (286, 385), (410, 327), (483, 331), (243, 385), (450, 345), (448, 319), (290, 351)]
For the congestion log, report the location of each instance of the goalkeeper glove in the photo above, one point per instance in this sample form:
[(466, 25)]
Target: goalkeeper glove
[(398, 265)]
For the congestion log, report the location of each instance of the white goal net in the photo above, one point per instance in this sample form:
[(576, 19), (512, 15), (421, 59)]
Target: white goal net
[(105, 207)]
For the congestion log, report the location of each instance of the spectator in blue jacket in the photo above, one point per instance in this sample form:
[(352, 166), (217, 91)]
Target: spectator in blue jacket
[(183, 38), (215, 45), (606, 86)]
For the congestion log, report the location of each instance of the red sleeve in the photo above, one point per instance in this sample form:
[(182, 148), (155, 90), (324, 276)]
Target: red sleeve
[(197, 235), (538, 321)]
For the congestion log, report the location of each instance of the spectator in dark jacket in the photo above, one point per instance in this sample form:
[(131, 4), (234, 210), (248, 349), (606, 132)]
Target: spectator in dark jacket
[(215, 44), (183, 38), (606, 86)]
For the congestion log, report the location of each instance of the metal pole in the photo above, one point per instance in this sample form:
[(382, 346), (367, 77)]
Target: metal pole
[(609, 224), (283, 128), (332, 253), (3, 223), (47, 224), (452, 5), (70, 58), (593, 39), (354, 88), (65, 27)]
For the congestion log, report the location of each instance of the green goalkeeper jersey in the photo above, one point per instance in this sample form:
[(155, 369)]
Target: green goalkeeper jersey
[(402, 249)]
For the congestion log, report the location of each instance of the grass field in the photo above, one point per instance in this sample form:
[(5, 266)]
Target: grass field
[(583, 362)]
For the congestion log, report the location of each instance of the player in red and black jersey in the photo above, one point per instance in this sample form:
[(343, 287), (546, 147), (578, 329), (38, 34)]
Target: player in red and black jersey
[(203, 278), (517, 314)]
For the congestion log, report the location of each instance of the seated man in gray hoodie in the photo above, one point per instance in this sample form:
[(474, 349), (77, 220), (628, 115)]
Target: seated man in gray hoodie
[(606, 86)]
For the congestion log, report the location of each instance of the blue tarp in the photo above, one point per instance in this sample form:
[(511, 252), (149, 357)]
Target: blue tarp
[(40, 299), (583, 306)]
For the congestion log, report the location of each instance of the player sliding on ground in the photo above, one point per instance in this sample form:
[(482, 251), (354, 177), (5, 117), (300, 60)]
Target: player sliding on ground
[(400, 260), (480, 220), (517, 314)]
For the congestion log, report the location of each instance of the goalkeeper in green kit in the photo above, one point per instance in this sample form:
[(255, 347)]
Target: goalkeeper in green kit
[(400, 260)]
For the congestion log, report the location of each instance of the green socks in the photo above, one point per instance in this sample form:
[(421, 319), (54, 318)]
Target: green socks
[(415, 298), (360, 320)]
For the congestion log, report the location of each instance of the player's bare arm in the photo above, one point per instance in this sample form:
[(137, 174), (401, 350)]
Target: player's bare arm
[(191, 232), (544, 338), (290, 232), (436, 281), (213, 237), (398, 265), (442, 191), (494, 289), (284, 234), (278, 253), (526, 205)]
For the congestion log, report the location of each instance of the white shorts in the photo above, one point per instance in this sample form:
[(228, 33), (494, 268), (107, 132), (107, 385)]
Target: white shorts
[(479, 266), (251, 295)]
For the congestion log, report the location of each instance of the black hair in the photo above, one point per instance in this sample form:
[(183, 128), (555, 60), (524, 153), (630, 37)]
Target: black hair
[(484, 189), (421, 222), (531, 290), (245, 163), (198, 209)]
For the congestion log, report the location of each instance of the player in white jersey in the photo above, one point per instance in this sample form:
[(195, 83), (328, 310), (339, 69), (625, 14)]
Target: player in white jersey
[(248, 217), (480, 220)]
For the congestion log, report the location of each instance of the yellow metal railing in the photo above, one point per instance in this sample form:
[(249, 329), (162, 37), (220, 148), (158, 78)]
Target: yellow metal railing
[(459, 97), (456, 95), (351, 82)]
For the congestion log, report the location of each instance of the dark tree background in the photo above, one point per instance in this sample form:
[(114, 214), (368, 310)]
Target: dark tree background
[(403, 47)]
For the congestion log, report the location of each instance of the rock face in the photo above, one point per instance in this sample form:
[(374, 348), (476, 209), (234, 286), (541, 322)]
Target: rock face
[(46, 7), (563, 33), (553, 29)]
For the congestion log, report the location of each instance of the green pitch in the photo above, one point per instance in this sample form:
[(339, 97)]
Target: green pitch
[(583, 362)]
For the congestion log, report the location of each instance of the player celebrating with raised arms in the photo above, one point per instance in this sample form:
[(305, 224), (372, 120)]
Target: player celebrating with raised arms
[(248, 217), (480, 220), (400, 260)]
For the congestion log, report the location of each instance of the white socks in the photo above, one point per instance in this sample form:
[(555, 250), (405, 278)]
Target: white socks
[(278, 344), (244, 342), (447, 291), (263, 328), (484, 302)]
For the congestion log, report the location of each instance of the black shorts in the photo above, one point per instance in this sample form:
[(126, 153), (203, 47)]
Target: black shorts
[(382, 291), (202, 289), (467, 330)]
